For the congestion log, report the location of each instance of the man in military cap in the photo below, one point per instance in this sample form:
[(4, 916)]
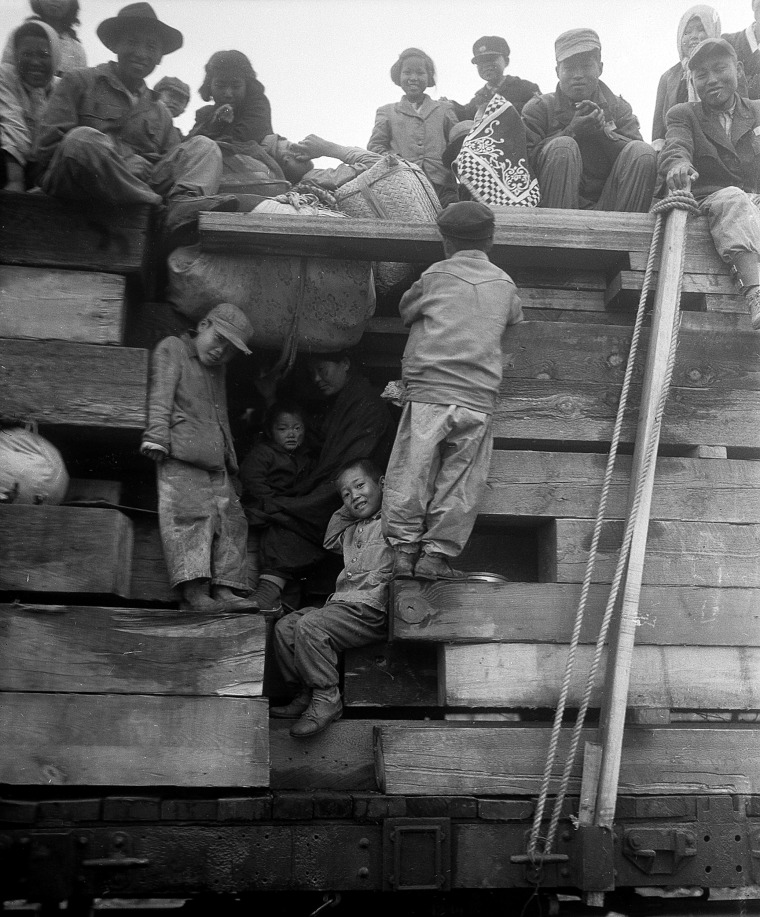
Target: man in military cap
[(457, 313), (491, 57), (106, 137), (584, 141)]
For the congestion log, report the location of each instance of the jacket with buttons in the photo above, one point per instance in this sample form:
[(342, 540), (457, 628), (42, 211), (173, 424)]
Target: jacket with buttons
[(419, 135), (696, 136), (367, 559), (95, 97)]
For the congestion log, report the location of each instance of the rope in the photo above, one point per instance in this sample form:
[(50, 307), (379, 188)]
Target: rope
[(676, 201)]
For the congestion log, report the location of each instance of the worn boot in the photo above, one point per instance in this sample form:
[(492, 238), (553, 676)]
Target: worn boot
[(404, 561), (266, 595), (752, 298), (181, 227), (325, 707), (436, 566), (195, 597), (231, 601), (295, 708)]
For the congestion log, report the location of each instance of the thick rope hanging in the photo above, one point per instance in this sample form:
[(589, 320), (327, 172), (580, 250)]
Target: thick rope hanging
[(680, 200)]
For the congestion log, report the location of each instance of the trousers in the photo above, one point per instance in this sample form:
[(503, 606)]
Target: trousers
[(629, 186), (734, 221), (436, 474), (203, 526), (89, 166), (308, 641)]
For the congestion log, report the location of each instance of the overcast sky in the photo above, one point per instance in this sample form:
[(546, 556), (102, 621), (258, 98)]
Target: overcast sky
[(325, 63)]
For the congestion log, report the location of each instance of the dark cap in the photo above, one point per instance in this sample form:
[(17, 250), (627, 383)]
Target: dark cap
[(707, 47), (232, 324), (172, 84), (489, 46), (576, 41), (466, 220), (109, 30)]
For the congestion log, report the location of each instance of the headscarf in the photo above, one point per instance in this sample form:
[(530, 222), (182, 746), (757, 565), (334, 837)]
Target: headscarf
[(711, 24), (35, 26)]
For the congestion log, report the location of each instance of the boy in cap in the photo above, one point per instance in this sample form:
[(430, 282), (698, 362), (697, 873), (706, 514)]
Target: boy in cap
[(105, 136), (583, 140), (173, 93), (745, 43), (491, 57), (714, 146), (203, 526), (457, 313)]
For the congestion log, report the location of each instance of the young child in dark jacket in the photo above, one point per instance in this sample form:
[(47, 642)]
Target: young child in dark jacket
[(203, 527)]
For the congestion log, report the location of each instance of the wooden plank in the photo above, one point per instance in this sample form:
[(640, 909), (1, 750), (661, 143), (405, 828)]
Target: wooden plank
[(133, 740), (540, 485), (73, 384), (53, 305), (678, 553), (130, 651), (89, 490), (509, 759), (39, 231), (391, 675), (530, 675), (624, 289), (65, 549), (496, 612), (701, 257), (150, 578)]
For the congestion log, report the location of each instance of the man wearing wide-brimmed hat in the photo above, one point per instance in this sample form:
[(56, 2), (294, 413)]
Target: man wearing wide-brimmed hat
[(106, 137)]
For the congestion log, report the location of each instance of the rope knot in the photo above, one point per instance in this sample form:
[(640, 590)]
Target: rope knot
[(677, 200)]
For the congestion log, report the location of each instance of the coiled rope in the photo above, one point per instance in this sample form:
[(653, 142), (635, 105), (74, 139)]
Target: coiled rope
[(676, 200)]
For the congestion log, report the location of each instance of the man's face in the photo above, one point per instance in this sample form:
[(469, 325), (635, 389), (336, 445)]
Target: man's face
[(138, 53), (579, 75), (33, 61), (360, 493), (715, 79), (491, 67)]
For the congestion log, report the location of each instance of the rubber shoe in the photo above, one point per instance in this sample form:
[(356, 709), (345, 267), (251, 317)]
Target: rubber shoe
[(295, 708), (325, 708), (203, 605), (239, 603), (403, 562), (265, 596), (753, 300), (435, 566)]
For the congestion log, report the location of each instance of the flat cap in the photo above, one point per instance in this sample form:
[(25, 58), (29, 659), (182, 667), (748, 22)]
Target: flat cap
[(172, 84), (707, 47), (576, 41), (232, 323), (466, 220), (489, 46)]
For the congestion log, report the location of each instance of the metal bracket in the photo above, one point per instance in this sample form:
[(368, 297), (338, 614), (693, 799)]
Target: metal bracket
[(417, 854), (659, 852)]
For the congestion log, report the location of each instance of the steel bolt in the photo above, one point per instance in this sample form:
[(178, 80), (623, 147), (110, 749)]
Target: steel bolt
[(363, 873), (364, 842), (634, 840)]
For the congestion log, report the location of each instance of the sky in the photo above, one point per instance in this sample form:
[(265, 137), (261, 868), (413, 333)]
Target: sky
[(325, 63)]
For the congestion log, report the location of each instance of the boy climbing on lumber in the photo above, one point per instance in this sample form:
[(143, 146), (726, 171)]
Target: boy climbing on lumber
[(308, 641), (457, 313), (203, 526)]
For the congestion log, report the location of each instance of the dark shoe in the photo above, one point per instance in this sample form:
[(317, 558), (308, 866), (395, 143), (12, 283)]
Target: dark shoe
[(265, 596), (203, 604), (238, 603), (753, 301), (436, 566), (181, 226), (295, 708), (325, 708), (404, 561)]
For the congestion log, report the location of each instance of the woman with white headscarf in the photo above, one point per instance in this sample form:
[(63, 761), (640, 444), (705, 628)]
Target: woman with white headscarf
[(676, 85), (61, 15)]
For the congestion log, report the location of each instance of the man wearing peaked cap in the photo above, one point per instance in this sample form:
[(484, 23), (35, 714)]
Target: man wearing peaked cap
[(745, 43), (490, 54), (106, 137), (584, 141), (466, 220)]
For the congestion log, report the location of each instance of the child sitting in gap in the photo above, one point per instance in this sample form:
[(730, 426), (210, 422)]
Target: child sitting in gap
[(203, 526), (307, 642), (457, 313)]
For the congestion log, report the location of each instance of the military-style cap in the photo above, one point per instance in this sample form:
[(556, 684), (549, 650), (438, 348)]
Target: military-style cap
[(707, 47), (576, 41), (466, 220), (489, 46), (111, 29), (232, 324), (172, 84)]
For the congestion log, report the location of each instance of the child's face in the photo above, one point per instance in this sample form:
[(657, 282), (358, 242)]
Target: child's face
[(491, 68), (213, 348), (228, 89), (692, 35), (288, 431), (360, 493), (413, 77), (174, 101)]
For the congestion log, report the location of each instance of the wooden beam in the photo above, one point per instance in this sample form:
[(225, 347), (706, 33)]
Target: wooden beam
[(73, 384), (391, 675), (134, 740), (624, 290), (130, 651), (39, 231), (65, 549), (677, 553), (150, 578), (542, 485), (53, 305), (508, 760), (496, 613), (530, 675)]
